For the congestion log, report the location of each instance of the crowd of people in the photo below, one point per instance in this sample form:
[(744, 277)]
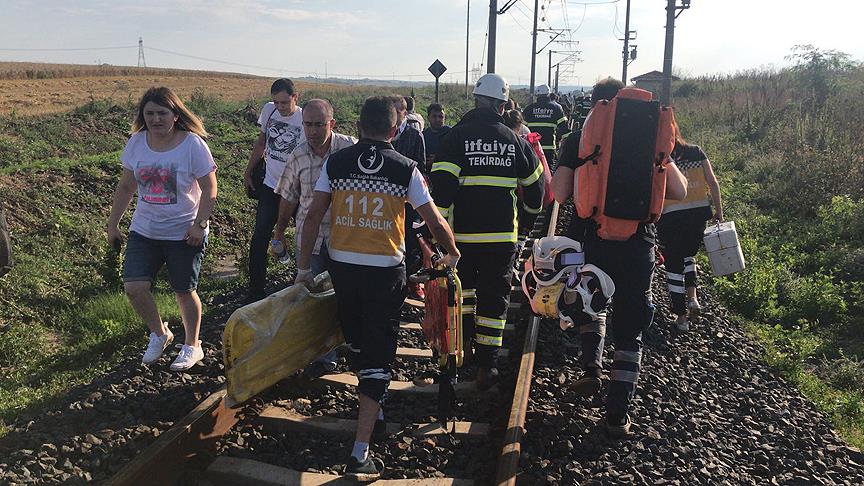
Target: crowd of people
[(356, 205)]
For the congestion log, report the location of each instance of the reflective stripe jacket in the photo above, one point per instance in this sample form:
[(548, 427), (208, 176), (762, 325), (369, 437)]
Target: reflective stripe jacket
[(478, 167), (546, 118)]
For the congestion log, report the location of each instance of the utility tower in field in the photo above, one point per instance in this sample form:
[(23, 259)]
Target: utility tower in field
[(141, 61)]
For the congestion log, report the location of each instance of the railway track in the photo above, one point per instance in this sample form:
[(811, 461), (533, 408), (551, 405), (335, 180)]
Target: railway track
[(193, 452)]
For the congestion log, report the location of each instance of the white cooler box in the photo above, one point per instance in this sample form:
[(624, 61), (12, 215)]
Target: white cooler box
[(724, 251)]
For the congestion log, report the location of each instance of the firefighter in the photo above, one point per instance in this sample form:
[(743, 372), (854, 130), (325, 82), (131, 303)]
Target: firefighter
[(547, 118), (474, 178)]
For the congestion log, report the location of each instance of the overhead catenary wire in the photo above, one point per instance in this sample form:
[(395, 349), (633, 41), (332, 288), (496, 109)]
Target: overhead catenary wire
[(516, 20), (606, 2), (616, 32)]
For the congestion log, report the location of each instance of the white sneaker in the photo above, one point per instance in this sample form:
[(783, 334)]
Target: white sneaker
[(682, 324), (189, 355), (157, 346)]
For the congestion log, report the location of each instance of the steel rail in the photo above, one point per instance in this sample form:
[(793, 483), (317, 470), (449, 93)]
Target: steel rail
[(508, 462)]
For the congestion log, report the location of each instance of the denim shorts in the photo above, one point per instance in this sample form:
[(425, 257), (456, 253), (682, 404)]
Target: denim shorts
[(145, 256)]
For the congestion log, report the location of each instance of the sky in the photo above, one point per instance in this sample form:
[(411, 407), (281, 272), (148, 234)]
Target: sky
[(399, 39)]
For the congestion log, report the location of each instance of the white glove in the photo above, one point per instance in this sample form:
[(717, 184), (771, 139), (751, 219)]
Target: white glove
[(304, 276), (450, 260)]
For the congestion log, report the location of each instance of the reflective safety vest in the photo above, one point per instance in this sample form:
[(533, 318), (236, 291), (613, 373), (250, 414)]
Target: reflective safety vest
[(689, 159), (369, 188)]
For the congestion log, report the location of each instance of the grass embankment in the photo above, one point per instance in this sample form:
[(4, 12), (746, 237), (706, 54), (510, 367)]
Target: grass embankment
[(65, 319), (787, 148)]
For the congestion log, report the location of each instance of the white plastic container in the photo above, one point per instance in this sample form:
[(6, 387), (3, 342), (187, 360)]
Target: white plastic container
[(724, 251)]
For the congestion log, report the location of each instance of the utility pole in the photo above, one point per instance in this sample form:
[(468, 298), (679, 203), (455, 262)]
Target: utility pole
[(672, 12), (467, 31), (493, 23), (625, 54), (141, 61), (549, 73), (557, 68), (534, 45)]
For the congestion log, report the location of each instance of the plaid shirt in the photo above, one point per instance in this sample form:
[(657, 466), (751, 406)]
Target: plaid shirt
[(297, 183)]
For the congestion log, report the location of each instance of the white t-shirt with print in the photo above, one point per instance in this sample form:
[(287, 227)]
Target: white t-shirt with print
[(283, 134), (168, 191)]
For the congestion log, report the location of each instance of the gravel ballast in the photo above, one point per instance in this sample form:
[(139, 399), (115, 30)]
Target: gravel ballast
[(707, 411)]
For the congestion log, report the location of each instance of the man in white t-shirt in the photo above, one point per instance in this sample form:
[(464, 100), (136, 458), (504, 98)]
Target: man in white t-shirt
[(281, 122)]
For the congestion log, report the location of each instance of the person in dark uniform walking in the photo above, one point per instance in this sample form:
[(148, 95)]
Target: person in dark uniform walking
[(547, 118), (479, 165), (630, 264), (366, 187)]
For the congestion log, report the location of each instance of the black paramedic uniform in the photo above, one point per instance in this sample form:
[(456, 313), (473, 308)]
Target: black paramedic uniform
[(370, 184)]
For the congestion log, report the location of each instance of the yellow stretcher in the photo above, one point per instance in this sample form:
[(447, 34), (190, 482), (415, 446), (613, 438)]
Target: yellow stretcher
[(271, 339)]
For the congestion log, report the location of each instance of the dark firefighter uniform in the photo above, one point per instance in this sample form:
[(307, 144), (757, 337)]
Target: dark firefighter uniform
[(548, 119), (479, 165), (369, 185)]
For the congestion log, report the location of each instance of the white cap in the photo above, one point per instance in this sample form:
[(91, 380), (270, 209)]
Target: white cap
[(493, 86), (542, 90)]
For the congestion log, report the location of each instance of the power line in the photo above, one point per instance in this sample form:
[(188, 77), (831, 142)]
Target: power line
[(594, 3), (615, 30), (279, 70), (582, 20), (222, 61), (63, 49), (522, 9), (519, 24)]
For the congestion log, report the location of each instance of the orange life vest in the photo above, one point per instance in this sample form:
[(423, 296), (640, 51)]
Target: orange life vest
[(625, 144)]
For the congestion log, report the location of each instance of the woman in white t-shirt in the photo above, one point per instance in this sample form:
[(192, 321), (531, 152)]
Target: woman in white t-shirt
[(170, 166)]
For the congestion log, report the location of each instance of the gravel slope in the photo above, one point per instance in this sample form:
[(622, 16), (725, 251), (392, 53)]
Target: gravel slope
[(706, 411)]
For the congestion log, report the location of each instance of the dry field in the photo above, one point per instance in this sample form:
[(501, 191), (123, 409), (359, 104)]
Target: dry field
[(35, 89)]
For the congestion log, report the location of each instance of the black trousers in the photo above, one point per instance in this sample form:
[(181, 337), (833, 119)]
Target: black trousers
[(486, 272), (630, 264), (369, 303), (266, 214), (680, 234)]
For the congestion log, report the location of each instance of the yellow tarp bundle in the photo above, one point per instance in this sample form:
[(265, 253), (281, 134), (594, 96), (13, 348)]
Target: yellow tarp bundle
[(271, 339)]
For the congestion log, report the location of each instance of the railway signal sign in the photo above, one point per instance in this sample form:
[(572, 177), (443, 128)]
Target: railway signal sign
[(437, 69)]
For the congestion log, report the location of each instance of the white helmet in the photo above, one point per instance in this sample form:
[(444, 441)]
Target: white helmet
[(586, 294), (542, 90), (552, 257), (492, 85)]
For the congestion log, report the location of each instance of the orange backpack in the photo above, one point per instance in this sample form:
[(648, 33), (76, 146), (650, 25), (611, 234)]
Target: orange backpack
[(625, 144)]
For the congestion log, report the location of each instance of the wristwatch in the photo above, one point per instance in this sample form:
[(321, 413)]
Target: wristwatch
[(203, 224)]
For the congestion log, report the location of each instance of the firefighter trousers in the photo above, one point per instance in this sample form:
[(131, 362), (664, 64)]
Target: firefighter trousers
[(486, 272)]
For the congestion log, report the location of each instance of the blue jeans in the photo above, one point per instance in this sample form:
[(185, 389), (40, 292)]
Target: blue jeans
[(266, 214), (145, 256)]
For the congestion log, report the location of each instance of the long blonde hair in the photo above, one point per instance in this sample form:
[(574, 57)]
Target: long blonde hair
[(163, 96)]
